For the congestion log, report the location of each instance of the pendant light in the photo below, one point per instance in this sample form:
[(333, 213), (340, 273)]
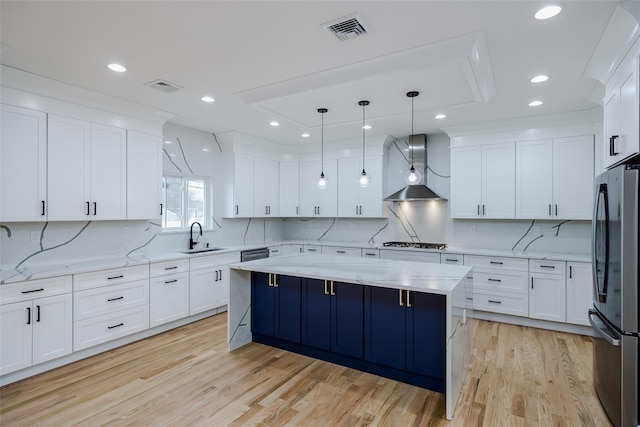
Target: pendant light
[(363, 179), (412, 176), (323, 182)]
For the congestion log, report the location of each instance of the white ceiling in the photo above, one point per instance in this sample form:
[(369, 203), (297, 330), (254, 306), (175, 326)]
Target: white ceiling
[(268, 60)]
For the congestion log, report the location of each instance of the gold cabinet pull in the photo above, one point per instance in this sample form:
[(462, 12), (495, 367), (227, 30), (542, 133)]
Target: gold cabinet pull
[(275, 280), (326, 290), (408, 299), (270, 280), (400, 293), (333, 292)]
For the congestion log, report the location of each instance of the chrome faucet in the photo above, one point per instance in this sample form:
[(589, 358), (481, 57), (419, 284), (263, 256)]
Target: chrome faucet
[(193, 244)]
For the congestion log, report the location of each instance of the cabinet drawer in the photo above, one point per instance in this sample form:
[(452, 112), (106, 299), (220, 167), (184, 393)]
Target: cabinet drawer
[(275, 251), (108, 299), (416, 256), (370, 253), (112, 276), (542, 266), (490, 280), (28, 290), (313, 249), (453, 259), (100, 329), (197, 263), (338, 250), (497, 262), (497, 302), (169, 267)]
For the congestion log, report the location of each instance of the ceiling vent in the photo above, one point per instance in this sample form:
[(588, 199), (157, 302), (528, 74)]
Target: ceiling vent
[(346, 28), (164, 86)]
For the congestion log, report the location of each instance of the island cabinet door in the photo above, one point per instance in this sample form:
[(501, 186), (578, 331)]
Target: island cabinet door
[(316, 314), (287, 307), (262, 304), (347, 319), (426, 334), (384, 326)]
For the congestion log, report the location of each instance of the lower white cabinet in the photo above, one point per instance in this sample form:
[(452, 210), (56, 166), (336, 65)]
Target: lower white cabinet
[(209, 281), (417, 255), (547, 290), (579, 287), (341, 251), (35, 331), (100, 329), (168, 291)]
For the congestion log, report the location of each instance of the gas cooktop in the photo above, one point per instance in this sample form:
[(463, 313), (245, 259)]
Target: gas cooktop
[(417, 245)]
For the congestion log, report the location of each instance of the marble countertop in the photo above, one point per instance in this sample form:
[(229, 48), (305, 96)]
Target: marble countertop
[(414, 276)]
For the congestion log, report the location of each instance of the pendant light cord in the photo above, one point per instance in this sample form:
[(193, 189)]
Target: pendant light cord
[(322, 145), (411, 136), (363, 105)]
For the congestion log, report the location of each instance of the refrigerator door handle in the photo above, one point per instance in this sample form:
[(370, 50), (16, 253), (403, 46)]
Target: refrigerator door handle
[(602, 329)]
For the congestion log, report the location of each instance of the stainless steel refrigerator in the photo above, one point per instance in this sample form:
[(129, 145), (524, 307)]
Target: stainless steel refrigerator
[(616, 299)]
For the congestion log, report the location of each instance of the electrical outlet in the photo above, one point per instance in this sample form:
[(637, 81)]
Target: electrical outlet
[(472, 228), (536, 230), (125, 231), (35, 237)]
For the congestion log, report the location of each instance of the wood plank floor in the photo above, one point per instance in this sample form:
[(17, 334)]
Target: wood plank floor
[(519, 377)]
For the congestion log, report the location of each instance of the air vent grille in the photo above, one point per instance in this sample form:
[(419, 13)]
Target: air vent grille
[(164, 86), (346, 28)]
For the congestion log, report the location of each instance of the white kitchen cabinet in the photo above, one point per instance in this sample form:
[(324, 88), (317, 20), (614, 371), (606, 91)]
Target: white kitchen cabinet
[(35, 330), (342, 251), (579, 291), (289, 189), (554, 178), (370, 253), (409, 255), (547, 290), (265, 188), (238, 175), (483, 181), (312, 249), (68, 169), (354, 201), (315, 202), (108, 173), (168, 291), (296, 249), (86, 170), (144, 176), (23, 164), (209, 281), (621, 111)]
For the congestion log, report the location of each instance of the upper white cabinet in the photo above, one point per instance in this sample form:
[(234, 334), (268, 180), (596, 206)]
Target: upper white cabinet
[(483, 181), (314, 201), (289, 189), (554, 178), (238, 186), (265, 188), (23, 164), (144, 176), (621, 111), (354, 201), (86, 170)]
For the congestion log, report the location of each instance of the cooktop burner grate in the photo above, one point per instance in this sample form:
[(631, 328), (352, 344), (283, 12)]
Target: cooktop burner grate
[(418, 245)]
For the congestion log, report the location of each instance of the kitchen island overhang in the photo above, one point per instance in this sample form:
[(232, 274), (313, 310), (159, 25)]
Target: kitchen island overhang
[(443, 282)]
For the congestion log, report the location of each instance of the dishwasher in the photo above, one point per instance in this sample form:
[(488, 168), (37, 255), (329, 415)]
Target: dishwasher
[(253, 254)]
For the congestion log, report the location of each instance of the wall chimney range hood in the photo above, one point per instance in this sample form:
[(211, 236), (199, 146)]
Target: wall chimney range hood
[(418, 191)]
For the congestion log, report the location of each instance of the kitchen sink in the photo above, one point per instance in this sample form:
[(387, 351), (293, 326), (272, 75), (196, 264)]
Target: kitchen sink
[(198, 251)]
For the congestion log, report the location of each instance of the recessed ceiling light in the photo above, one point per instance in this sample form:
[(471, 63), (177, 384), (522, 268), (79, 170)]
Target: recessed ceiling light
[(548, 12), (207, 99), (117, 68), (205, 149), (539, 79), (535, 103), (305, 135), (366, 127), (167, 142), (440, 116), (274, 123)]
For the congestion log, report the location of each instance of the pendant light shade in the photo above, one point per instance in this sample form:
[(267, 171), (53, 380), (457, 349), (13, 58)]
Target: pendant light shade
[(323, 182), (412, 177), (363, 179)]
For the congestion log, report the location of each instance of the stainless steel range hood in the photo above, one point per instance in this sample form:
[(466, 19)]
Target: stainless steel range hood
[(418, 191)]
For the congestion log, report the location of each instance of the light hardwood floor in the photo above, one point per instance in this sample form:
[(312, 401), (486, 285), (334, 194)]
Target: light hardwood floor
[(519, 377)]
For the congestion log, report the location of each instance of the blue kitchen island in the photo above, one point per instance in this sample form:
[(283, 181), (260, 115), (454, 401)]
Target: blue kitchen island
[(407, 321)]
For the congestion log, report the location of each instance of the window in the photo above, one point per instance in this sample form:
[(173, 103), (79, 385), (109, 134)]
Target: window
[(185, 201)]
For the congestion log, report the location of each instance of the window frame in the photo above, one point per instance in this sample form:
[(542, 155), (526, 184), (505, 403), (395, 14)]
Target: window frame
[(184, 185)]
